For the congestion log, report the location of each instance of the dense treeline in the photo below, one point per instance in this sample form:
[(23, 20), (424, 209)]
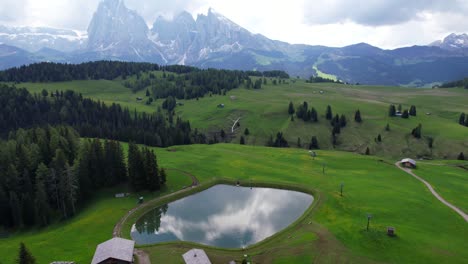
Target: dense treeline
[(269, 74), (196, 84), (58, 72), (179, 81), (318, 79), (459, 83), (47, 173), (20, 109)]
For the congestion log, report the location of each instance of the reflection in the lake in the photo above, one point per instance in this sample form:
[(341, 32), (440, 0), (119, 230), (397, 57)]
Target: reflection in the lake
[(222, 216)]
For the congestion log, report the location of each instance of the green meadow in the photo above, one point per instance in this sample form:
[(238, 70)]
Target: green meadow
[(333, 230), (264, 113)]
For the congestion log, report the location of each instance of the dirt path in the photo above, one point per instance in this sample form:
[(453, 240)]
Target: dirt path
[(195, 181), (442, 200), (118, 227), (142, 256)]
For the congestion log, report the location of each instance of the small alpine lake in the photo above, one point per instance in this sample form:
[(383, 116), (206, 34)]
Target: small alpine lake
[(222, 216)]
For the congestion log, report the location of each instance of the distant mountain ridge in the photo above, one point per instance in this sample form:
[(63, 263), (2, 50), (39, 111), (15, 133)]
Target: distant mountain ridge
[(212, 40)]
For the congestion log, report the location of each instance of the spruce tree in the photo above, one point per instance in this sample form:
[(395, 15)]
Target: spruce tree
[(412, 110), (246, 132), (461, 156), (242, 140), (405, 114), (367, 151), (391, 110), (24, 256), (151, 170), (357, 116), (163, 176), (329, 114), (461, 120), (416, 132), (379, 138), (343, 121), (313, 115), (41, 206), (313, 143), (387, 127), (291, 108)]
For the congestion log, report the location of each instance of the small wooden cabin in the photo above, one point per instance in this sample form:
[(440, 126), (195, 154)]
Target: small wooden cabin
[(408, 163)]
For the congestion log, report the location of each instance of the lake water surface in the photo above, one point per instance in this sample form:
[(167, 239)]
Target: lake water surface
[(222, 216)]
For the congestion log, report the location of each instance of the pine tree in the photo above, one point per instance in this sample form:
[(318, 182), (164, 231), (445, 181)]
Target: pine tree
[(163, 176), (329, 114), (405, 114), (387, 127), (242, 140), (42, 208), (153, 181), (412, 110), (336, 129), (343, 121), (461, 156), (416, 132), (16, 209), (313, 143), (461, 120), (24, 256), (357, 116), (313, 115), (391, 110), (291, 108)]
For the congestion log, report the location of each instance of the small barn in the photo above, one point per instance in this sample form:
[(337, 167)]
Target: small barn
[(114, 251), (408, 163), (196, 256)]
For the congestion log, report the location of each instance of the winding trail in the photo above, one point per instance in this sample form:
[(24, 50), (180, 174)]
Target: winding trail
[(436, 195), (118, 227)]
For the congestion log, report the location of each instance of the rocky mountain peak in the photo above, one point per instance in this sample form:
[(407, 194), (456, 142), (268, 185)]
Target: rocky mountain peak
[(114, 23), (452, 42)]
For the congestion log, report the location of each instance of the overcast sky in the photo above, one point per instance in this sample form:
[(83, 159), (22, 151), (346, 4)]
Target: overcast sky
[(383, 23)]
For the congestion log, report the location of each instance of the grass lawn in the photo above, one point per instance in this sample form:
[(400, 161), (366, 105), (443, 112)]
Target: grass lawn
[(333, 231), (427, 231), (449, 180)]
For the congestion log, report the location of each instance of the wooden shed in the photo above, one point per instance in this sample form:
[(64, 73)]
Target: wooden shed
[(408, 163), (114, 251)]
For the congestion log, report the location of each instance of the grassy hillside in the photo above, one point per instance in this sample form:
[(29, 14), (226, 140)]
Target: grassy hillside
[(264, 113), (334, 231), (449, 180)]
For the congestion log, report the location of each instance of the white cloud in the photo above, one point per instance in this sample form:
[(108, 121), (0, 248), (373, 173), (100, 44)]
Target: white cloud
[(384, 23)]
